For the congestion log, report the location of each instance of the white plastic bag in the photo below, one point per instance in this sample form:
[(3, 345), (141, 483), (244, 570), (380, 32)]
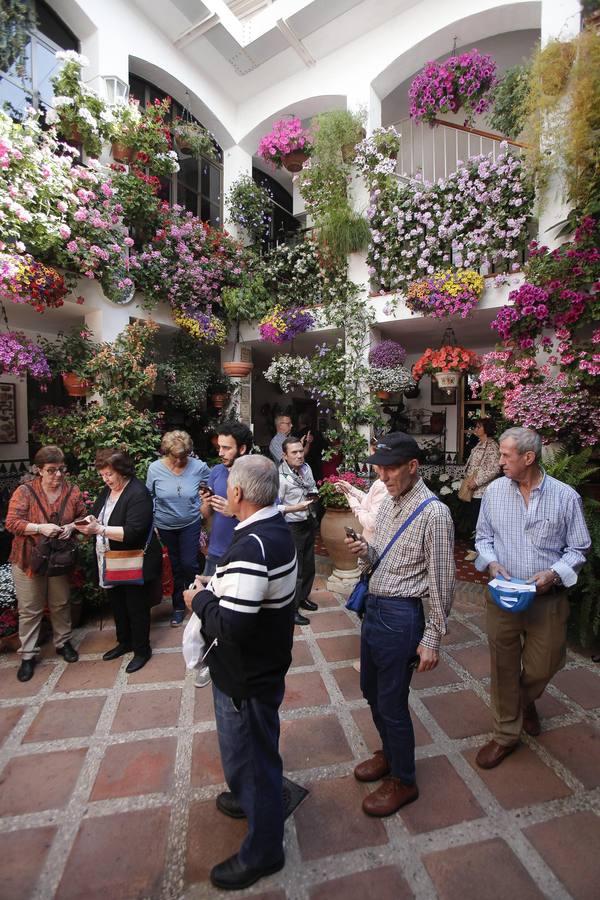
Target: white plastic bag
[(192, 645)]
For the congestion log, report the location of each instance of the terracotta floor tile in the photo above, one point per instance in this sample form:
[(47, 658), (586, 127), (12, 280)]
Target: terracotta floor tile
[(147, 709), (40, 781), (59, 719), (162, 667), (348, 680), (98, 641), (521, 780), (386, 883), (211, 838), (8, 719), (441, 675), (204, 707), (461, 713), (578, 748), (580, 685), (206, 760), (548, 706), (476, 660), (301, 655), (10, 688), (336, 620), (87, 676), (164, 636), (23, 854), (364, 720), (458, 634), (324, 599), (305, 689), (444, 798), (485, 871), (330, 821), (570, 845), (335, 649), (124, 851), (314, 741), (141, 767)]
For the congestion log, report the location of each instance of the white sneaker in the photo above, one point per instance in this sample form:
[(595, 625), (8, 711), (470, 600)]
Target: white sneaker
[(202, 678)]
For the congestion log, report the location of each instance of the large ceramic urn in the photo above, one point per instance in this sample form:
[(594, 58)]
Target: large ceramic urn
[(345, 570)]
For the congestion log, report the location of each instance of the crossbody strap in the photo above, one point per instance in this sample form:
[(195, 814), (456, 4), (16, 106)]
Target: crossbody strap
[(404, 525), (44, 510)]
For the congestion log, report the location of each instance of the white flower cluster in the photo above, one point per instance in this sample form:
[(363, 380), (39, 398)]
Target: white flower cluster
[(397, 379), (72, 56)]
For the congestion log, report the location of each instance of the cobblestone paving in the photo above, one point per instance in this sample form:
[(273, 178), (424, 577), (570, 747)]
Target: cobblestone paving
[(107, 781)]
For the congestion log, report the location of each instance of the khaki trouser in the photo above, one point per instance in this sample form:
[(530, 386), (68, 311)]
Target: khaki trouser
[(32, 596), (526, 650)]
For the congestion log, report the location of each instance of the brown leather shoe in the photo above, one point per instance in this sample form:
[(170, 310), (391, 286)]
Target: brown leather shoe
[(372, 769), (531, 720), (492, 754), (389, 797)]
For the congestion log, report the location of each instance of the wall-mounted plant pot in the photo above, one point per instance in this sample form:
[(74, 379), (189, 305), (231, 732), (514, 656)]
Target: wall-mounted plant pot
[(383, 395), (237, 369), (411, 393), (293, 162), (72, 136), (74, 386), (218, 400), (121, 153)]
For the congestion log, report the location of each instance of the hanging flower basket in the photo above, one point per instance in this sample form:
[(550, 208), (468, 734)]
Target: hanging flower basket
[(447, 380), (72, 136), (121, 153), (293, 162), (464, 81), (74, 385), (237, 369)]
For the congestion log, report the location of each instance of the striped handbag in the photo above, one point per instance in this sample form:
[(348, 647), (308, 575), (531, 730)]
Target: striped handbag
[(125, 566)]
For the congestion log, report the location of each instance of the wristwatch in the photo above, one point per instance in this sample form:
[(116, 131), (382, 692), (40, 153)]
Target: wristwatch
[(557, 580)]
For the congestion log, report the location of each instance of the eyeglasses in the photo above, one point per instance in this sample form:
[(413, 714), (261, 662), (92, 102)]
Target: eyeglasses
[(55, 470)]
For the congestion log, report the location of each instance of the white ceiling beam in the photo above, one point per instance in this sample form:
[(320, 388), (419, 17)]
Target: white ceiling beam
[(195, 31), (295, 42)]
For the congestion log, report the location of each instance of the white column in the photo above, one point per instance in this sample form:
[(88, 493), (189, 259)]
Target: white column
[(560, 19)]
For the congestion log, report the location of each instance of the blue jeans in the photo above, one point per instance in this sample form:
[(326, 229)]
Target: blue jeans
[(392, 629), (248, 733), (182, 544)]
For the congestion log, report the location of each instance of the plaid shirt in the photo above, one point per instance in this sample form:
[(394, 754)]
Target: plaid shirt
[(421, 562), (548, 533)]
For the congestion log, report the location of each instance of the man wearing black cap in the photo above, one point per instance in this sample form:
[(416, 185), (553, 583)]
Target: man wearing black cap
[(395, 637)]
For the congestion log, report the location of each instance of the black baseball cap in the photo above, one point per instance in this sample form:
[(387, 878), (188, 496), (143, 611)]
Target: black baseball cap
[(395, 448)]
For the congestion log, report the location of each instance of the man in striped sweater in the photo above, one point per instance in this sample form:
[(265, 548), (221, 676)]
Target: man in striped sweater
[(247, 615)]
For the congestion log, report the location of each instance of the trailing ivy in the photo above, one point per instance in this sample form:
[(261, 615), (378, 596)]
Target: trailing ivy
[(17, 20)]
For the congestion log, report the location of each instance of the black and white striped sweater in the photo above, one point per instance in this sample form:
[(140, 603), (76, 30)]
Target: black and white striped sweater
[(248, 607)]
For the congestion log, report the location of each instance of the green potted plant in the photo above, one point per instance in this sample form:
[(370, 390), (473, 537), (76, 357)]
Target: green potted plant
[(69, 355), (125, 121), (509, 111), (336, 133), (250, 206), (81, 115), (193, 139)]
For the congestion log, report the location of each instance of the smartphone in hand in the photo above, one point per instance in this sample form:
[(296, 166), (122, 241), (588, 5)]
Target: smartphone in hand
[(205, 489), (85, 521), (351, 533)]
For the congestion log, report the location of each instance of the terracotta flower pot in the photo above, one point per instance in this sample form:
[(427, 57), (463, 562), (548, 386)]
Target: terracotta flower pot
[(383, 395), (333, 534), (218, 400), (74, 386), (294, 161), (72, 135), (237, 369), (121, 153)]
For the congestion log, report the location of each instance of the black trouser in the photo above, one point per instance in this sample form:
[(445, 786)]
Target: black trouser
[(131, 609), (303, 534)]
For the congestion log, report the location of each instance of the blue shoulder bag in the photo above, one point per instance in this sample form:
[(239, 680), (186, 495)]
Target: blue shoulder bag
[(358, 598)]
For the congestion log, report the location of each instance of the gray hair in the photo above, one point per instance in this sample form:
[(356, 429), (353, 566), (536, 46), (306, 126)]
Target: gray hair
[(258, 478), (525, 440)]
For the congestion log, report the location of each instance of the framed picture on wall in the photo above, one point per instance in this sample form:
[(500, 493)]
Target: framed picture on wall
[(441, 397), (8, 414)]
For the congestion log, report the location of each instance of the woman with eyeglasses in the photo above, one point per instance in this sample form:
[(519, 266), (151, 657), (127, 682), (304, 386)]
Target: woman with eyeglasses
[(37, 509), (174, 481)]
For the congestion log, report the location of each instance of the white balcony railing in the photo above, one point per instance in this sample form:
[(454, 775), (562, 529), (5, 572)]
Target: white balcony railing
[(433, 153)]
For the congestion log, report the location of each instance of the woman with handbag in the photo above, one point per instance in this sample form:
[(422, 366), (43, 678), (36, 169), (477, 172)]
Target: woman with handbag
[(36, 513), (128, 553), (483, 466)]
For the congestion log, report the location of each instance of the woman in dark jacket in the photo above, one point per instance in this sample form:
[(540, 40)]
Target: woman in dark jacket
[(122, 520)]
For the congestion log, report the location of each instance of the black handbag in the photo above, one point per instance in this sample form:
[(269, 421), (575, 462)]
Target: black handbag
[(51, 556)]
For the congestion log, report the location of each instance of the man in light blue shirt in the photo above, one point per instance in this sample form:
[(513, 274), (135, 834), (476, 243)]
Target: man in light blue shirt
[(531, 527)]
